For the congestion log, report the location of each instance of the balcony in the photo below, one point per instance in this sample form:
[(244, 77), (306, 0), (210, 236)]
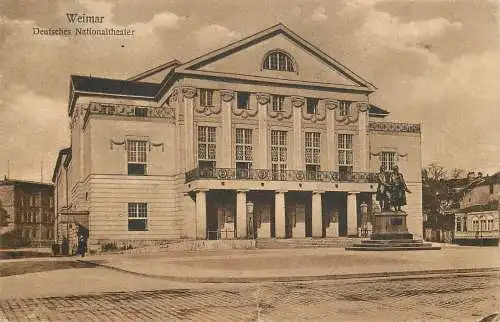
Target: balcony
[(269, 175)]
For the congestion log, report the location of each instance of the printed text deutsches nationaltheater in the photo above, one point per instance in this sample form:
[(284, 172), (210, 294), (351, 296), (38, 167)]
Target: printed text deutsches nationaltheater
[(75, 18)]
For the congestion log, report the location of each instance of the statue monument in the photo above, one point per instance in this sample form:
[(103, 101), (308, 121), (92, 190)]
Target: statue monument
[(390, 222)]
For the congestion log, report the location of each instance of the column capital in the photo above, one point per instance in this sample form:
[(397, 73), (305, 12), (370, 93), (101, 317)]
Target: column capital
[(353, 192), (201, 190), (242, 190), (281, 191), (318, 192)]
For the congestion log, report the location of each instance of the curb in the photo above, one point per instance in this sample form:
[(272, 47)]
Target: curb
[(189, 279)]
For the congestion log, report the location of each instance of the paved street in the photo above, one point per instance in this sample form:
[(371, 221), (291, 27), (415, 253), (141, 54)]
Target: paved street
[(431, 298)]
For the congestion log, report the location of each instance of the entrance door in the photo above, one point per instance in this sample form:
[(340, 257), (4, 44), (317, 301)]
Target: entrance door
[(289, 221), (251, 233)]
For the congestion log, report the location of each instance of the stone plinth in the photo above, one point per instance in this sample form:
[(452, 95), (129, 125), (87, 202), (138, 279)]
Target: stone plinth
[(390, 225)]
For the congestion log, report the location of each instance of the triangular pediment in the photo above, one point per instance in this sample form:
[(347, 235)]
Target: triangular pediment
[(245, 58)]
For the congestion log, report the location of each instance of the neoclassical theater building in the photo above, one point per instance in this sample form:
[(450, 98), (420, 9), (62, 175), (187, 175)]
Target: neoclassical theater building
[(268, 137)]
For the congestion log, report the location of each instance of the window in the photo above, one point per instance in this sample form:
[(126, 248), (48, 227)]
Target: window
[(136, 157), (243, 100), (244, 152), (459, 224), (345, 155), (475, 224), (141, 111), (137, 216), (312, 106), (279, 61), (388, 160), (490, 224), (206, 96), (277, 103), (278, 154), (344, 108), (483, 224), (33, 233), (313, 152), (206, 147)]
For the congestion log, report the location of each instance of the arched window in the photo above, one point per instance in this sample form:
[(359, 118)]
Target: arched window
[(278, 60)]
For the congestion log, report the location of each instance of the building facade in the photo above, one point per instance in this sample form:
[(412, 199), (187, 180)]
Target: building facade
[(478, 219), (266, 137), (27, 213)]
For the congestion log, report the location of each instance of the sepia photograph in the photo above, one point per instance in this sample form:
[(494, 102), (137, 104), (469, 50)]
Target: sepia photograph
[(238, 160)]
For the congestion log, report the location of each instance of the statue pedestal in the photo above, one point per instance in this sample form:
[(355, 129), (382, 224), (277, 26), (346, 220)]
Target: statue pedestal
[(390, 225)]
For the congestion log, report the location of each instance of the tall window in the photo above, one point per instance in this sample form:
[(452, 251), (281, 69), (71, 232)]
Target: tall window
[(490, 224), (475, 224), (206, 96), (278, 60), (136, 157), (206, 147), (388, 160), (312, 106), (243, 100), (278, 154), (313, 152), (344, 108), (459, 224), (244, 152), (345, 155), (277, 103), (137, 216)]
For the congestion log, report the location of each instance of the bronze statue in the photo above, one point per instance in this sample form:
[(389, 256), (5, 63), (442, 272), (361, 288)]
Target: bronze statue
[(397, 189), (383, 189)]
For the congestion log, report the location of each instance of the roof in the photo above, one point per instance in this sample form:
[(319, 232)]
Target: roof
[(170, 64), (478, 208), (280, 28), (18, 182), (62, 152), (113, 86), (377, 111)]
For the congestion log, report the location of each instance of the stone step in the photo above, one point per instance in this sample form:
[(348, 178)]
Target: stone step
[(391, 248)]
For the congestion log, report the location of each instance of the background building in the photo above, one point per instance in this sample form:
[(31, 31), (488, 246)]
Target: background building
[(27, 213), (266, 137)]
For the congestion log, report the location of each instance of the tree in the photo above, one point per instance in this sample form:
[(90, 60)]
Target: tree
[(435, 172), (457, 173)]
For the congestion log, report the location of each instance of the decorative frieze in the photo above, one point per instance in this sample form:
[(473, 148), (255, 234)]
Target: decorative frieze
[(394, 127), (129, 111), (208, 110), (226, 95), (263, 98), (320, 114), (172, 97), (298, 101), (188, 92), (352, 113)]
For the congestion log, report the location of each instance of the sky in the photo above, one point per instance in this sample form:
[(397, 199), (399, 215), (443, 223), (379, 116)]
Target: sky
[(433, 61)]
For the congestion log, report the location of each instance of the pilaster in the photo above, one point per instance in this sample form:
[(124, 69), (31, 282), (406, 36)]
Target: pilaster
[(262, 151), (227, 98), (188, 95), (297, 153), (363, 136), (330, 135)]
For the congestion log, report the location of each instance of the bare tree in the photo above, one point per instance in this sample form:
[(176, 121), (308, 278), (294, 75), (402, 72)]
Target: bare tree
[(457, 173), (435, 171)]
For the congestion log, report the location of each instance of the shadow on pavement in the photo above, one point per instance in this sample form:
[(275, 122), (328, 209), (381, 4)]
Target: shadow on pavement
[(18, 268)]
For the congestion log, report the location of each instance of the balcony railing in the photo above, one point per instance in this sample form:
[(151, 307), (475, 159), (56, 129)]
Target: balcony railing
[(287, 175)]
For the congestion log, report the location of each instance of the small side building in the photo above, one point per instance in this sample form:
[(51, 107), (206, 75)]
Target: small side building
[(27, 213), (477, 222)]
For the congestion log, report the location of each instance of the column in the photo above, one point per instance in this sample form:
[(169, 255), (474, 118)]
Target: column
[(317, 214), (201, 214), (241, 213), (279, 213), (352, 214)]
